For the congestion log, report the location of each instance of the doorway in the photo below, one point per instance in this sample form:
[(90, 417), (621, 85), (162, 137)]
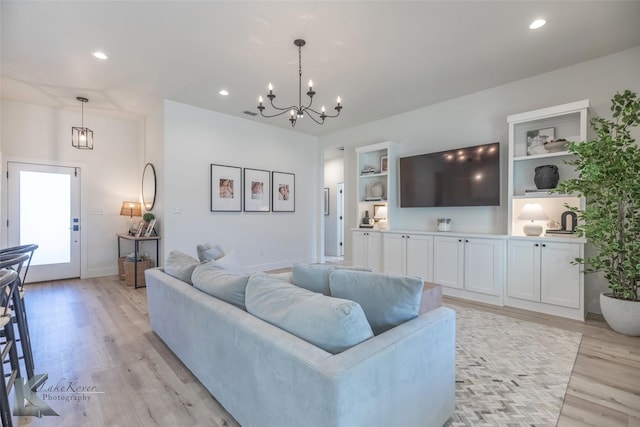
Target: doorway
[(43, 207), (340, 217)]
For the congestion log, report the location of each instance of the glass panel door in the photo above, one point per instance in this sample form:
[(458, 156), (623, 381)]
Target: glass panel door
[(44, 208)]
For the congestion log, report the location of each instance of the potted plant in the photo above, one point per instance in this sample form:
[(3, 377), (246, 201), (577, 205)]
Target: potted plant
[(609, 179), (148, 217)]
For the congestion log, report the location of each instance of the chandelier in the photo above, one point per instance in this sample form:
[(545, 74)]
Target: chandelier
[(297, 112), (82, 137)]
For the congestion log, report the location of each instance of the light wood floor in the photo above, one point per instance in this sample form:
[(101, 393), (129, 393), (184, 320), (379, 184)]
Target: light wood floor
[(95, 333)]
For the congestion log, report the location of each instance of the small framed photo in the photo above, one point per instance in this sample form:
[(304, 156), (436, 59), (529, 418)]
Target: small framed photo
[(283, 192), (326, 201), (140, 229), (149, 231), (536, 140), (384, 166), (257, 188), (226, 188)]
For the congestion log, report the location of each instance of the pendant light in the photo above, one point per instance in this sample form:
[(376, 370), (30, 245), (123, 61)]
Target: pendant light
[(82, 137)]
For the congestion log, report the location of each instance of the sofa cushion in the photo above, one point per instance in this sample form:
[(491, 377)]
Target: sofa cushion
[(387, 300), (332, 324), (207, 252), (229, 286), (229, 262), (315, 277), (180, 266)]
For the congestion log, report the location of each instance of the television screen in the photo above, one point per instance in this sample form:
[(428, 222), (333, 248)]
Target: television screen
[(467, 176)]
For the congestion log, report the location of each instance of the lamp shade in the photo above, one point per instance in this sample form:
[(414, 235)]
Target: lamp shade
[(131, 209), (381, 213), (532, 212)]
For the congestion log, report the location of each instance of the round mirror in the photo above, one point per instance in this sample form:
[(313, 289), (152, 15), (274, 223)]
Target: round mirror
[(149, 186)]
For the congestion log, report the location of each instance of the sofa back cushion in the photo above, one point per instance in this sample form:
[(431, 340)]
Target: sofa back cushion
[(229, 286), (387, 300), (207, 252), (332, 324), (180, 266), (315, 277)]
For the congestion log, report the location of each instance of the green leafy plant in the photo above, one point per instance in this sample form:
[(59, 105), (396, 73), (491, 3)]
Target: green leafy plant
[(609, 179), (148, 217)]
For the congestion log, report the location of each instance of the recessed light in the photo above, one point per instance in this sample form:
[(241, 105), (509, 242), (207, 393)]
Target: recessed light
[(537, 24), (100, 55), (224, 92)]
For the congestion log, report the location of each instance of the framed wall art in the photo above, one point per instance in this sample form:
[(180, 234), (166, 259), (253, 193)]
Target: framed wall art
[(283, 192), (226, 188), (536, 140), (257, 188)]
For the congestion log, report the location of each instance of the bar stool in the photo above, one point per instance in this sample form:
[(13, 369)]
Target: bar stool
[(15, 262), (8, 281)]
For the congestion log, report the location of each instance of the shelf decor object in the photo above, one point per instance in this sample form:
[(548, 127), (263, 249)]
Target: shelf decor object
[(298, 111), (546, 177), (82, 137), (226, 188), (532, 212)]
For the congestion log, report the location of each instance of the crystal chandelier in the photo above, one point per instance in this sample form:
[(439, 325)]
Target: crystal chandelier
[(297, 112)]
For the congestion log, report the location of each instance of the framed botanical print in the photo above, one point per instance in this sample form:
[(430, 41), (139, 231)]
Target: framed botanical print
[(226, 188), (257, 188), (283, 192)]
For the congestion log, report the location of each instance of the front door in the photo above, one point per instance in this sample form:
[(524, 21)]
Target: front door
[(43, 207)]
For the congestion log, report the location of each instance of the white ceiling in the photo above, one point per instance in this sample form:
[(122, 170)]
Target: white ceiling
[(382, 57)]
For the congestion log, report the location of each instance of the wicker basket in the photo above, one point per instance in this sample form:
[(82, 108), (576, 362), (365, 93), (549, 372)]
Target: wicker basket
[(121, 267), (129, 271)]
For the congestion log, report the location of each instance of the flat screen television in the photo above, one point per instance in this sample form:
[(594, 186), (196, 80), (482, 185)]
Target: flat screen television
[(468, 176)]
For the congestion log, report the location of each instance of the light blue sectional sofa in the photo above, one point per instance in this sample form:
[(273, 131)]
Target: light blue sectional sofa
[(265, 376)]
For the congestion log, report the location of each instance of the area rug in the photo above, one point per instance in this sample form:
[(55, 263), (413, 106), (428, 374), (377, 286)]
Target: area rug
[(510, 372)]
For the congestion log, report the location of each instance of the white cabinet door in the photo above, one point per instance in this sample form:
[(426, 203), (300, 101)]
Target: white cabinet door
[(374, 251), (523, 269), (358, 249), (419, 256), (560, 280), (448, 261), (394, 250), (483, 265)]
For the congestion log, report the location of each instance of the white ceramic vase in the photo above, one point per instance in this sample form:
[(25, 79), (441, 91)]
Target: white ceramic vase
[(621, 315)]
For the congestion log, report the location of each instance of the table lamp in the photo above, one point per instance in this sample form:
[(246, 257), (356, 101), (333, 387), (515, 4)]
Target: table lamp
[(131, 209), (532, 212), (380, 216)]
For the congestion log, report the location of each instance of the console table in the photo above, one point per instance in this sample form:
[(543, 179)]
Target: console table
[(136, 242)]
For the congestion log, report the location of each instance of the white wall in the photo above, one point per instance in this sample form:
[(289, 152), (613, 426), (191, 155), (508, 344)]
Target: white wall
[(333, 174), (194, 138), (481, 118), (110, 172)]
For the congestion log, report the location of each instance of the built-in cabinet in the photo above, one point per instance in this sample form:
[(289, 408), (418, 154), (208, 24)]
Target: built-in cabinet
[(470, 267), (408, 254), (542, 277), (376, 181), (540, 272), (530, 146), (367, 249), (533, 273)]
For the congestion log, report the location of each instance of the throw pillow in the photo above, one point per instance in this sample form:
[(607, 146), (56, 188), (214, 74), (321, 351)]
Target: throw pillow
[(387, 300), (332, 324), (180, 266), (223, 284), (229, 262), (206, 252), (315, 277)]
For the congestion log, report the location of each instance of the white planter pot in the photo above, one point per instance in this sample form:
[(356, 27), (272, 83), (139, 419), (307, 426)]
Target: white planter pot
[(622, 316)]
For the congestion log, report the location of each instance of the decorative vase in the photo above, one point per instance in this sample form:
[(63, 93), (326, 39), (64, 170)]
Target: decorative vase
[(621, 315), (546, 177)]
